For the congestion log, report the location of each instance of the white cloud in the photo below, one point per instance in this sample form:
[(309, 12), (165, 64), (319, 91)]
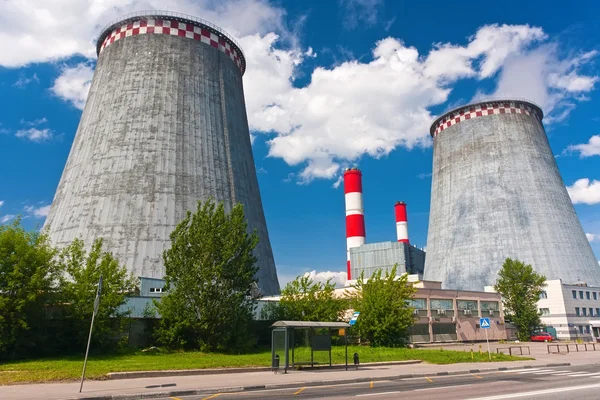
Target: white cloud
[(585, 192), (338, 278), (38, 212), (592, 237), (34, 134), (1, 203), (73, 84), (24, 81), (6, 218), (36, 122), (541, 76), (591, 148), (48, 30), (349, 110), (363, 12)]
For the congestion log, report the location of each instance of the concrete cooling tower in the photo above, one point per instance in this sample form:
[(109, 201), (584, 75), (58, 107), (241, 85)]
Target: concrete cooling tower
[(164, 126), (496, 192)]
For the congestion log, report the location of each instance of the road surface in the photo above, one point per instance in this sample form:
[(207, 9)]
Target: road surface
[(574, 382)]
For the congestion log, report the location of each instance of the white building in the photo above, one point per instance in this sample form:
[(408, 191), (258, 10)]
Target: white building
[(573, 310)]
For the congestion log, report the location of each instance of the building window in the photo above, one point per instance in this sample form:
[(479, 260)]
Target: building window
[(545, 311), (584, 311), (577, 311), (156, 290), (489, 308), (543, 295), (591, 312), (595, 296), (597, 312), (574, 294), (441, 307), (587, 329), (418, 304), (580, 329), (587, 295), (467, 308), (581, 294)]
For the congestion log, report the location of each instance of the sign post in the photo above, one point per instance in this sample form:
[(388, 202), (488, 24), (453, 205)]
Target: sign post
[(96, 304), (484, 323)]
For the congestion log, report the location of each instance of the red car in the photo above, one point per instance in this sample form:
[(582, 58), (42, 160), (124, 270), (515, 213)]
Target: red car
[(541, 337)]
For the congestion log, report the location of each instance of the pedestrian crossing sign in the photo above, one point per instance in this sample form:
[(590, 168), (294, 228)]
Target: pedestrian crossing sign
[(484, 323)]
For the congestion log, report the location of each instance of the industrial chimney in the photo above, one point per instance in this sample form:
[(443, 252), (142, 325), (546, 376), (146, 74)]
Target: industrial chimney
[(355, 219), (497, 193), (401, 222), (164, 127)]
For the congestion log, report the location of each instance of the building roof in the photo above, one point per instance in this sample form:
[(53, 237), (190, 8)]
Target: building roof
[(309, 324)]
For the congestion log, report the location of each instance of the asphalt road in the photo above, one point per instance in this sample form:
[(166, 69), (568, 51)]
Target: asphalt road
[(574, 382)]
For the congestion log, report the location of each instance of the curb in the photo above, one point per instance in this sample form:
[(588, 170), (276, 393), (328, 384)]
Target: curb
[(212, 371), (200, 392)]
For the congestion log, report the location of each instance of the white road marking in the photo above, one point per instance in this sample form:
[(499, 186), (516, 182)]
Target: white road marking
[(520, 370), (377, 394), (584, 374), (545, 371), (442, 387), (537, 392)]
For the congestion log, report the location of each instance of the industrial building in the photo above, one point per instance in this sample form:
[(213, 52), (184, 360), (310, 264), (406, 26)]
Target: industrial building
[(496, 193), (571, 311), (365, 257), (444, 315), (164, 127)]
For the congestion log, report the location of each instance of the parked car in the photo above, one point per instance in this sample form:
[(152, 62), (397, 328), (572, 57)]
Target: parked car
[(541, 337)]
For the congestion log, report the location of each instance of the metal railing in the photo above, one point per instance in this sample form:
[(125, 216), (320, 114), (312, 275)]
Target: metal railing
[(172, 14), (512, 350), (569, 347)]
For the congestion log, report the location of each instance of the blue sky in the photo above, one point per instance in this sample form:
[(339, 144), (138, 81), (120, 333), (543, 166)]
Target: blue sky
[(363, 79)]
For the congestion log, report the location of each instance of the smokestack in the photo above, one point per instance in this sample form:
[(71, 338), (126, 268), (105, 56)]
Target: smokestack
[(355, 219), (401, 222)]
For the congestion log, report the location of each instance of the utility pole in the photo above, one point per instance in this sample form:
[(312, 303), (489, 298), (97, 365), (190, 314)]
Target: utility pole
[(96, 304)]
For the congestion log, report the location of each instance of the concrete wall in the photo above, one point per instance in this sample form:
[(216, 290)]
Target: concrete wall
[(383, 255), (164, 126), (496, 193)]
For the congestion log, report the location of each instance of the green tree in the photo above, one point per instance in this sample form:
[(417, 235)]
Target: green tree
[(383, 303), (520, 286), (81, 272), (210, 273), (28, 277), (306, 300)]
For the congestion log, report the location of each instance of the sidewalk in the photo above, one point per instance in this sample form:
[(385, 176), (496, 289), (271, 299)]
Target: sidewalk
[(209, 384)]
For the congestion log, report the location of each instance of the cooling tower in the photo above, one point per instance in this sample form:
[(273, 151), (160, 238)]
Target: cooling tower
[(164, 126), (496, 192)]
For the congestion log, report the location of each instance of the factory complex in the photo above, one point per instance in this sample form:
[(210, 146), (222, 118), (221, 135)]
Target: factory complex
[(165, 126)]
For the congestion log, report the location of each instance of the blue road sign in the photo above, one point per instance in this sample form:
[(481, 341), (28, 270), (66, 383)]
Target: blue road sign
[(484, 323), (354, 318)]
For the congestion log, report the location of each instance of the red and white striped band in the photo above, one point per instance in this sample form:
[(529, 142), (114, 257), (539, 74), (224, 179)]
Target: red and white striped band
[(174, 28), (480, 110)]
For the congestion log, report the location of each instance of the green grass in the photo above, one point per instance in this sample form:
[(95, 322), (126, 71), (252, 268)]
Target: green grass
[(69, 368)]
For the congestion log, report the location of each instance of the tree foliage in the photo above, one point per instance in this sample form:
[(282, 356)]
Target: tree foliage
[(28, 277), (306, 300), (520, 286), (383, 303), (209, 275), (81, 272)]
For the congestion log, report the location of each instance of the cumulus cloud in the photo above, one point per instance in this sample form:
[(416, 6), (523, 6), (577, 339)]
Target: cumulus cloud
[(36, 122), (35, 135), (585, 192), (592, 237), (1, 203), (73, 84), (38, 212), (589, 149), (6, 218), (34, 31), (541, 76), (346, 111), (338, 278)]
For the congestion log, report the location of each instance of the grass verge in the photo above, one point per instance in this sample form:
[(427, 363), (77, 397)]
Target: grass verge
[(69, 368)]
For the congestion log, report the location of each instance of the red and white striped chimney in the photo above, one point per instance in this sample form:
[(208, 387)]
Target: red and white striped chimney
[(355, 218), (401, 222)]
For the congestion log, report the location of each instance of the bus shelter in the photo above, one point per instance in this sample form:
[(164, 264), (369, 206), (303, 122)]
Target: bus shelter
[(283, 340)]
